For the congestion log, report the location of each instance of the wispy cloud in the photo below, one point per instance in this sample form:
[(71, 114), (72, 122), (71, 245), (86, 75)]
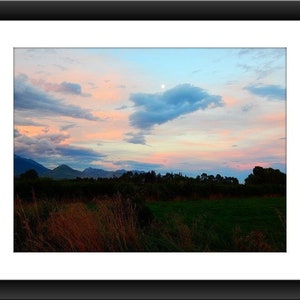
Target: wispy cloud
[(247, 107), (136, 165), (122, 107), (121, 86), (23, 121), (29, 97), (60, 67), (262, 62), (271, 92), (68, 126), (259, 53), (196, 71)]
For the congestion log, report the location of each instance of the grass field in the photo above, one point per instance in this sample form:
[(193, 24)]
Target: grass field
[(224, 225), (231, 222)]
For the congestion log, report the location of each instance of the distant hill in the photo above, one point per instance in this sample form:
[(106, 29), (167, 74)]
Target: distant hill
[(22, 165), (63, 172), (100, 173), (97, 173)]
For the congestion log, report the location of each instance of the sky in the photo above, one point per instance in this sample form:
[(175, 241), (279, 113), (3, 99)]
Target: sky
[(189, 110)]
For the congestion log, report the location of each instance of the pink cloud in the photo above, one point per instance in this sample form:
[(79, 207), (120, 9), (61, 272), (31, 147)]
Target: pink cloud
[(230, 101), (273, 119), (30, 131)]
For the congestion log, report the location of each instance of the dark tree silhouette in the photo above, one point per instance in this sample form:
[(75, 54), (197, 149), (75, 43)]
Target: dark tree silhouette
[(29, 175), (266, 176)]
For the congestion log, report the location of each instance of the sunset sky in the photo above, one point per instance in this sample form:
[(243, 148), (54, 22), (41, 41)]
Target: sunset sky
[(188, 110)]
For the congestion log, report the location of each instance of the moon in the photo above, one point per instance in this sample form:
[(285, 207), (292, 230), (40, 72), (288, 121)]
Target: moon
[(162, 86)]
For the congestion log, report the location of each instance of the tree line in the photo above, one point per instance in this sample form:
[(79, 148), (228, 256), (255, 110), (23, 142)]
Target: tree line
[(152, 186)]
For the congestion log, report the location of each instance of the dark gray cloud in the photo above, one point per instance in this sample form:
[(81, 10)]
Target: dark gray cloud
[(136, 138), (26, 121), (122, 107), (271, 92), (136, 165), (247, 107), (30, 98), (53, 138), (156, 109), (32, 147), (16, 133), (49, 147), (68, 126), (70, 88), (78, 152), (64, 87)]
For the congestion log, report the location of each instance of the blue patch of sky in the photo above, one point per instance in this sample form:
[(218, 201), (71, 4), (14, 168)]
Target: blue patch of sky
[(205, 67)]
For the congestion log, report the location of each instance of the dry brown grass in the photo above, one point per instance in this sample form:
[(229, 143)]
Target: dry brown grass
[(74, 228), (109, 226), (180, 234), (252, 242), (103, 225), (29, 227), (281, 217), (119, 225)]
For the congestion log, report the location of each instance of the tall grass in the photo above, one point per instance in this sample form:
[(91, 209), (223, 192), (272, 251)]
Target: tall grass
[(174, 235), (101, 225), (255, 241), (106, 225), (112, 224)]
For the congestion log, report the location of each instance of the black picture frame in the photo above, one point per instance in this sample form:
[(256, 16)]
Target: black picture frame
[(149, 10), (150, 289)]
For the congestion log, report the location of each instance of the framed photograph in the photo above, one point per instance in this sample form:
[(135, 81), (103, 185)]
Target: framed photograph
[(149, 149)]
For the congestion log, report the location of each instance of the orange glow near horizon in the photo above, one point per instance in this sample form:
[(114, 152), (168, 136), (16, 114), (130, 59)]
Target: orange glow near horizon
[(30, 131)]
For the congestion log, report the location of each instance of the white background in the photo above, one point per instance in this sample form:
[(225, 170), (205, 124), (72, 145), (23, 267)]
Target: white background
[(149, 265)]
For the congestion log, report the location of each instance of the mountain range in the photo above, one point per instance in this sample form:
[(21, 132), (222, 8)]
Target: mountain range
[(21, 165)]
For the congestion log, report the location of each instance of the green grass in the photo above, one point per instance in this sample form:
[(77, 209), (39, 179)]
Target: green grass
[(228, 220)]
